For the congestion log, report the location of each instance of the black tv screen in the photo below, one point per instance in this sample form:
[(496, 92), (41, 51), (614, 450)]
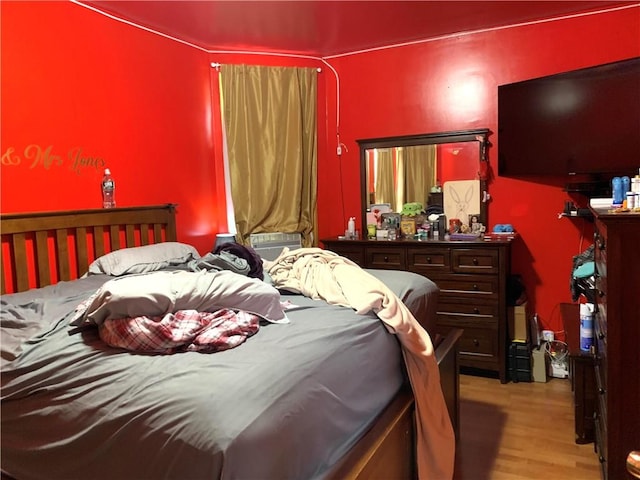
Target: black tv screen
[(580, 122)]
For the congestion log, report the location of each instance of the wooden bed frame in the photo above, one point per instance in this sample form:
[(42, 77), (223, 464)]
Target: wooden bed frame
[(40, 249)]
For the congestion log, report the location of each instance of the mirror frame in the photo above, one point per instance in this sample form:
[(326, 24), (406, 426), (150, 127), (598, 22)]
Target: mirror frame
[(480, 135)]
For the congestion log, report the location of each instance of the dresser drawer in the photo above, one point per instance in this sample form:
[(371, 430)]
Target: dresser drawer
[(468, 286), (479, 343), (600, 325), (600, 258), (386, 258), (601, 365), (479, 340), (601, 291), (601, 416), (352, 252), (601, 442), (475, 260), (481, 311), (601, 270), (428, 261)]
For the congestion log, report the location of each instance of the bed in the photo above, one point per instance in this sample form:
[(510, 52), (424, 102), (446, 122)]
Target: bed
[(73, 407)]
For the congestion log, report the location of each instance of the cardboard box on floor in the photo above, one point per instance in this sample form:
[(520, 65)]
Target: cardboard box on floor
[(518, 323)]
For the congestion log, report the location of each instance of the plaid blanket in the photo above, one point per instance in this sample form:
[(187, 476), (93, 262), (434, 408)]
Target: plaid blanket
[(184, 330)]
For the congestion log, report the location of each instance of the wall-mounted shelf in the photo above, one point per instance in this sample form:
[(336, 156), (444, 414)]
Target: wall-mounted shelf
[(586, 216), (572, 211)]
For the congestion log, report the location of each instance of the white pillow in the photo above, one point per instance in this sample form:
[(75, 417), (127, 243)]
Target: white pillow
[(147, 258)]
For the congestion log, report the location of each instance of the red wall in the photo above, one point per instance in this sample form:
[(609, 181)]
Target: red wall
[(451, 84), (76, 84), (144, 105), (74, 81)]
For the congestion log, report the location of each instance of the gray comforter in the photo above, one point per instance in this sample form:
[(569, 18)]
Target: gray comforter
[(288, 403)]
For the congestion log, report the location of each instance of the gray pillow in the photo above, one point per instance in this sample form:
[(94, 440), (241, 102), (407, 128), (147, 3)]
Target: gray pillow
[(147, 258), (159, 293)]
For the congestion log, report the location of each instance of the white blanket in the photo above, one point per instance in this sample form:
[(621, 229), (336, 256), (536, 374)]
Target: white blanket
[(318, 273)]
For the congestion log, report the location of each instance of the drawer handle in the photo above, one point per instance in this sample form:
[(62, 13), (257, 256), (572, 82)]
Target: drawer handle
[(386, 259), (475, 287), (476, 342), (475, 261), (476, 310), (601, 391), (428, 259), (601, 294), (601, 336)]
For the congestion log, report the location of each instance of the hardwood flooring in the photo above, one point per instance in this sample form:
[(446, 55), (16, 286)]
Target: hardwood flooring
[(520, 431)]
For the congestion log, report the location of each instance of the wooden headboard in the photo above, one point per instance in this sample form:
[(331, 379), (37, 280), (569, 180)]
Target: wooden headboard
[(43, 248)]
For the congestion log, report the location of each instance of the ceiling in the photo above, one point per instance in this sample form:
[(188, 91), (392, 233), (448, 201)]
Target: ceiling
[(324, 28)]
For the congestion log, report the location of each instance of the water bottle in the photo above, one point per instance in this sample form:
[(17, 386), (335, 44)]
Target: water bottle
[(586, 326), (108, 190)]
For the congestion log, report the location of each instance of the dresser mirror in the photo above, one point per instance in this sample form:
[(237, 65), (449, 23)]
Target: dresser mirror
[(423, 169)]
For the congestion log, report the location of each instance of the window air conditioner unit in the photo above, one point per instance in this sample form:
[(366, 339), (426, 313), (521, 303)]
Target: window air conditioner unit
[(270, 245)]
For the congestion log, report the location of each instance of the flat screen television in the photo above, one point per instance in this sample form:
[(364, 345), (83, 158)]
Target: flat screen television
[(584, 121)]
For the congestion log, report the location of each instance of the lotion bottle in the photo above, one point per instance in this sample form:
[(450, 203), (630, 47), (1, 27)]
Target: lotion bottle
[(351, 227)]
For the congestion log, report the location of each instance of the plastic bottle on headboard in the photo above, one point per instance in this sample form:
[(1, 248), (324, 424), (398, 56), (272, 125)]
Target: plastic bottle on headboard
[(108, 190)]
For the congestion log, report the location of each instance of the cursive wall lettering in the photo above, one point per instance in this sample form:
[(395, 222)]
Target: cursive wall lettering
[(45, 157), (9, 158), (79, 161)]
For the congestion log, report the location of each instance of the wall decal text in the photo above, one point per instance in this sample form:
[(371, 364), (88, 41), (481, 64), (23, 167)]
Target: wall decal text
[(37, 156)]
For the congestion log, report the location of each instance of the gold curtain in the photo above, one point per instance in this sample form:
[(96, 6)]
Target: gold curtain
[(385, 176), (400, 182), (420, 172), (270, 117)]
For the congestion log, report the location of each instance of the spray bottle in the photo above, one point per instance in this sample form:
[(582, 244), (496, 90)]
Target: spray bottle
[(586, 326)]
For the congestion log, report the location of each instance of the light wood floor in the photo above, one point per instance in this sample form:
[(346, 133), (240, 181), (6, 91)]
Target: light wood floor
[(520, 431)]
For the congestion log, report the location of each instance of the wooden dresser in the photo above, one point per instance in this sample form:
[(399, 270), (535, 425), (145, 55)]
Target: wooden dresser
[(617, 335), (472, 277)]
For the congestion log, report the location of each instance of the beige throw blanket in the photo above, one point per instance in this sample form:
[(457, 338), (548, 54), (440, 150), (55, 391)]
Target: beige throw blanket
[(322, 274)]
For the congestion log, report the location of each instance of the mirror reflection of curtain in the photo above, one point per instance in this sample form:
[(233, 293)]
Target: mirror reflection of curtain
[(385, 176), (270, 121), (419, 165), (400, 180)]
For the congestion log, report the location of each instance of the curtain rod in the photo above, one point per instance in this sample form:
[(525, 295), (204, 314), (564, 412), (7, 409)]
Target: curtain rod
[(218, 65)]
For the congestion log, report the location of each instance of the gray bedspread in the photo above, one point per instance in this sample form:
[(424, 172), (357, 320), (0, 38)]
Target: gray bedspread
[(288, 403)]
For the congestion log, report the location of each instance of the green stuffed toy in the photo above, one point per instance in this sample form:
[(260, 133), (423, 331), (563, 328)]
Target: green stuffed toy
[(411, 209)]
